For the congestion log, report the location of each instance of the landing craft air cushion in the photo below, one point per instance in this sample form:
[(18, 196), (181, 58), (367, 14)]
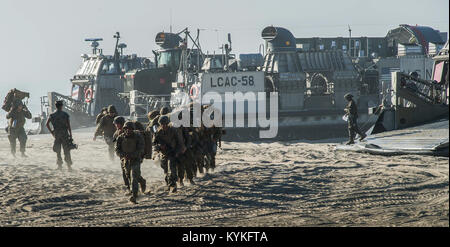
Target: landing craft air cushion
[(95, 85)]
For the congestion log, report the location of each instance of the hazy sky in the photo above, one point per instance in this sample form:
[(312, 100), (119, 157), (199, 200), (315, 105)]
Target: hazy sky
[(41, 41)]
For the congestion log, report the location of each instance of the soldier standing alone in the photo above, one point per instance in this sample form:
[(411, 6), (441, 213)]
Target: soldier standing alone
[(62, 134), (16, 117), (352, 115), (106, 126)]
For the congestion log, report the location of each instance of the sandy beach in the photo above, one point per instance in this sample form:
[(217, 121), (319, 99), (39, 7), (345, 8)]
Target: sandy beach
[(294, 183)]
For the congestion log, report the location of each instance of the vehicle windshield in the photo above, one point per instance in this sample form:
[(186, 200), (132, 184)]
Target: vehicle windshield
[(109, 68), (169, 59)]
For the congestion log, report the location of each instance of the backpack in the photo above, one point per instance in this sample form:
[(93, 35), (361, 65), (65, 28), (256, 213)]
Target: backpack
[(147, 139), (9, 98), (148, 144), (99, 117)]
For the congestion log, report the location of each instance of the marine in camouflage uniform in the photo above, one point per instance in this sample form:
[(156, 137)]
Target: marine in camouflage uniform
[(62, 134), (186, 162), (106, 128), (213, 136), (352, 113), (119, 122), (103, 112), (16, 117), (153, 118), (130, 147), (169, 142), (139, 127)]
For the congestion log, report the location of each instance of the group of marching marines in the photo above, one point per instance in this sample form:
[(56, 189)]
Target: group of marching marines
[(183, 151)]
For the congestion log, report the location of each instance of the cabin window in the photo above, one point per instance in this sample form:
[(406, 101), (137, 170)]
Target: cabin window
[(169, 59), (438, 69), (109, 68), (124, 67)]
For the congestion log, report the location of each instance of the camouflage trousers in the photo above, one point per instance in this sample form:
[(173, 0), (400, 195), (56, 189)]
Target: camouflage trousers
[(210, 157), (169, 165), (109, 141), (62, 141), (186, 166), (17, 133), (199, 163), (132, 176), (353, 128)]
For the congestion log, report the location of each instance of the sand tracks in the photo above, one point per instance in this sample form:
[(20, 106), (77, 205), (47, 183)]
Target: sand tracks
[(264, 184)]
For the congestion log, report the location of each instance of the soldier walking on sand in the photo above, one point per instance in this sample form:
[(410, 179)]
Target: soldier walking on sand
[(130, 147), (62, 134), (107, 128), (16, 117), (169, 142), (119, 122), (352, 115)]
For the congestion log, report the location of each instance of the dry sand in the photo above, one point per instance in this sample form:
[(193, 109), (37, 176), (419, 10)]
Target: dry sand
[(254, 184)]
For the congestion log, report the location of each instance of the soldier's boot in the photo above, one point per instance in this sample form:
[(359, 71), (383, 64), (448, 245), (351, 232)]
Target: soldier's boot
[(68, 160), (362, 136), (133, 200), (173, 189), (69, 164), (126, 181), (59, 162), (24, 155), (128, 191), (13, 152), (191, 181), (143, 184), (213, 162), (134, 197), (181, 183), (351, 141), (200, 165)]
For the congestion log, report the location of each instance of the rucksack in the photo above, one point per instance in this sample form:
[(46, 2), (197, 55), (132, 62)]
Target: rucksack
[(148, 144), (9, 98)]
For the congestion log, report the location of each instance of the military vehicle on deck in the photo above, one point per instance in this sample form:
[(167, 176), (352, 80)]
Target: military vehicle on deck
[(146, 89), (96, 84)]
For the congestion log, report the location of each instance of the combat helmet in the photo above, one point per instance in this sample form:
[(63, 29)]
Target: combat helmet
[(112, 109), (151, 115), (164, 119), (348, 96), (138, 126), (164, 110), (128, 125), (59, 103), (119, 120)]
